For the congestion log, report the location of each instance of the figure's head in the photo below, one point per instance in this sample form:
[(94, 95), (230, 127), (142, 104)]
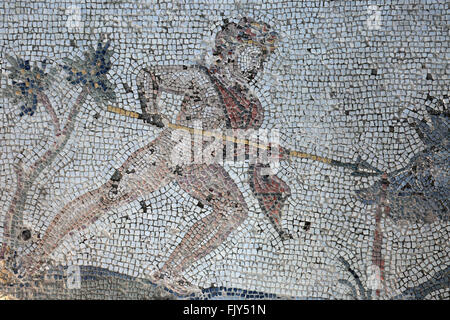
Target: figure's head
[(245, 46)]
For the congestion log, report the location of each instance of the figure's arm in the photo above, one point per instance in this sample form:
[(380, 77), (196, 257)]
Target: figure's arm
[(148, 92), (154, 80)]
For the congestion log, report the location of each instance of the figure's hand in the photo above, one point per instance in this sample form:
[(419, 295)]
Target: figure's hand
[(154, 119)]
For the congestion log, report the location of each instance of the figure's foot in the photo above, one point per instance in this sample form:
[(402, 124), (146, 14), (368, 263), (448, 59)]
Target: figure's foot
[(179, 285), (155, 278), (183, 287)]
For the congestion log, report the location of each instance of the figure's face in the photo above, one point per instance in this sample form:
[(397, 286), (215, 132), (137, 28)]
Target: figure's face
[(249, 61)]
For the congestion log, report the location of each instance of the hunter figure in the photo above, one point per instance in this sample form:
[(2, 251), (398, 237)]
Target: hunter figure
[(219, 95)]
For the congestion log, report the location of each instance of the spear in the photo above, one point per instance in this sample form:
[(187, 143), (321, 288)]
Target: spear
[(360, 168)]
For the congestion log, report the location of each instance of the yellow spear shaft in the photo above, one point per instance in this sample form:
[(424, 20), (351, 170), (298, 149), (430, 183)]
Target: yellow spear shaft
[(292, 153), (207, 133)]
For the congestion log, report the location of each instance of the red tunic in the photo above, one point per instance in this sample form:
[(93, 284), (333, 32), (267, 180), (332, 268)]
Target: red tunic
[(244, 113)]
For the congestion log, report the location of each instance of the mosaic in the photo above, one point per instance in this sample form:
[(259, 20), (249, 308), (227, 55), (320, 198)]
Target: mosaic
[(224, 150)]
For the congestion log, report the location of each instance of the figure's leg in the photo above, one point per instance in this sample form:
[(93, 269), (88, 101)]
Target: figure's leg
[(271, 193), (143, 172), (211, 185)]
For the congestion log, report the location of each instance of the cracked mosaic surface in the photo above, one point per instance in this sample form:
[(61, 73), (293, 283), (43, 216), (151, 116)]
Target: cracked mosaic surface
[(235, 149)]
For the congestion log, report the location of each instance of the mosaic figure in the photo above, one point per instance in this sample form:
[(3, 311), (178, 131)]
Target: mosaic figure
[(224, 149), (220, 96)]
